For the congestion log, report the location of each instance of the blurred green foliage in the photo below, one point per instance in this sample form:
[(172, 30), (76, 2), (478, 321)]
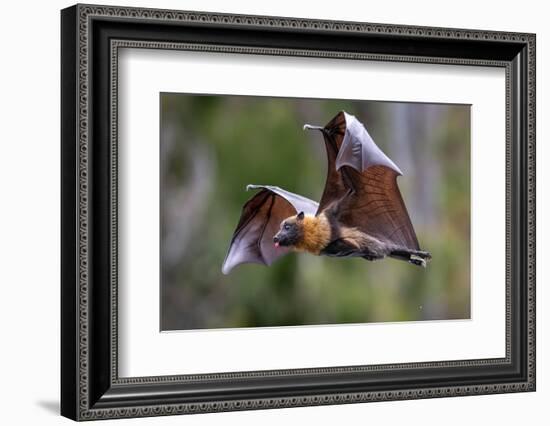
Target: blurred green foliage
[(213, 146)]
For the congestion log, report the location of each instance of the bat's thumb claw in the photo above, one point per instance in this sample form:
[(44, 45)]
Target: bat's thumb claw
[(310, 127)]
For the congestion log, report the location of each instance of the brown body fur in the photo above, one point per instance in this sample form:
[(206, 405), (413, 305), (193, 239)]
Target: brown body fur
[(316, 233), (324, 235)]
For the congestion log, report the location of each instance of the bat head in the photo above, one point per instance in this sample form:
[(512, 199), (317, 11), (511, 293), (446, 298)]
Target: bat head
[(290, 232)]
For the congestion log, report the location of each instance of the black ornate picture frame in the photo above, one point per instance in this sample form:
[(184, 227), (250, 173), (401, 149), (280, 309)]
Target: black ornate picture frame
[(90, 385)]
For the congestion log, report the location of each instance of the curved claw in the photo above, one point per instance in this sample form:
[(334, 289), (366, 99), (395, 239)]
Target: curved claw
[(310, 127)]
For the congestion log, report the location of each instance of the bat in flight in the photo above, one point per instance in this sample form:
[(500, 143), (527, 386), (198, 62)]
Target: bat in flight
[(361, 212)]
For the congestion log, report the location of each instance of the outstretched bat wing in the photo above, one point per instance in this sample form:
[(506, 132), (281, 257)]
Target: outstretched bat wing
[(261, 217), (374, 203), (335, 188)]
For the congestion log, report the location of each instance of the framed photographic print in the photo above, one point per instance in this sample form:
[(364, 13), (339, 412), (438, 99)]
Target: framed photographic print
[(263, 212)]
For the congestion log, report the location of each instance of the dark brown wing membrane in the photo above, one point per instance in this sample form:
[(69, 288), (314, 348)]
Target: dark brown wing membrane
[(372, 201), (376, 207), (261, 217), (335, 188)]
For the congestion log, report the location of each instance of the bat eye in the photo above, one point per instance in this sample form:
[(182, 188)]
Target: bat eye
[(286, 227)]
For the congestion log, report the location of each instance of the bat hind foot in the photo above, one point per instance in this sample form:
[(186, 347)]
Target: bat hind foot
[(417, 260), (416, 257)]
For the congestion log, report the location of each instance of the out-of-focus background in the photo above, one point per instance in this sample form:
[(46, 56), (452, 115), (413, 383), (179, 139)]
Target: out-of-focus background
[(213, 146)]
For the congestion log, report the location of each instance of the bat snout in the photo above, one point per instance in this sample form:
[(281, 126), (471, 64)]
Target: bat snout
[(280, 240)]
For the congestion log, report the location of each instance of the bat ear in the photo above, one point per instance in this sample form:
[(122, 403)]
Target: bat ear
[(300, 216)]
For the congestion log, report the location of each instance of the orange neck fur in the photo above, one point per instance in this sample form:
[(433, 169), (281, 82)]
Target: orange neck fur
[(316, 234)]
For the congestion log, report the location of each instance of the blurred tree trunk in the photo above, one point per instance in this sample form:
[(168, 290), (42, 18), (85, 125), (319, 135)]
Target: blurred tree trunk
[(407, 131)]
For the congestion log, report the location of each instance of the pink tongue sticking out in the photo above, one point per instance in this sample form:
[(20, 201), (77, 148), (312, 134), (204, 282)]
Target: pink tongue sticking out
[(277, 244)]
